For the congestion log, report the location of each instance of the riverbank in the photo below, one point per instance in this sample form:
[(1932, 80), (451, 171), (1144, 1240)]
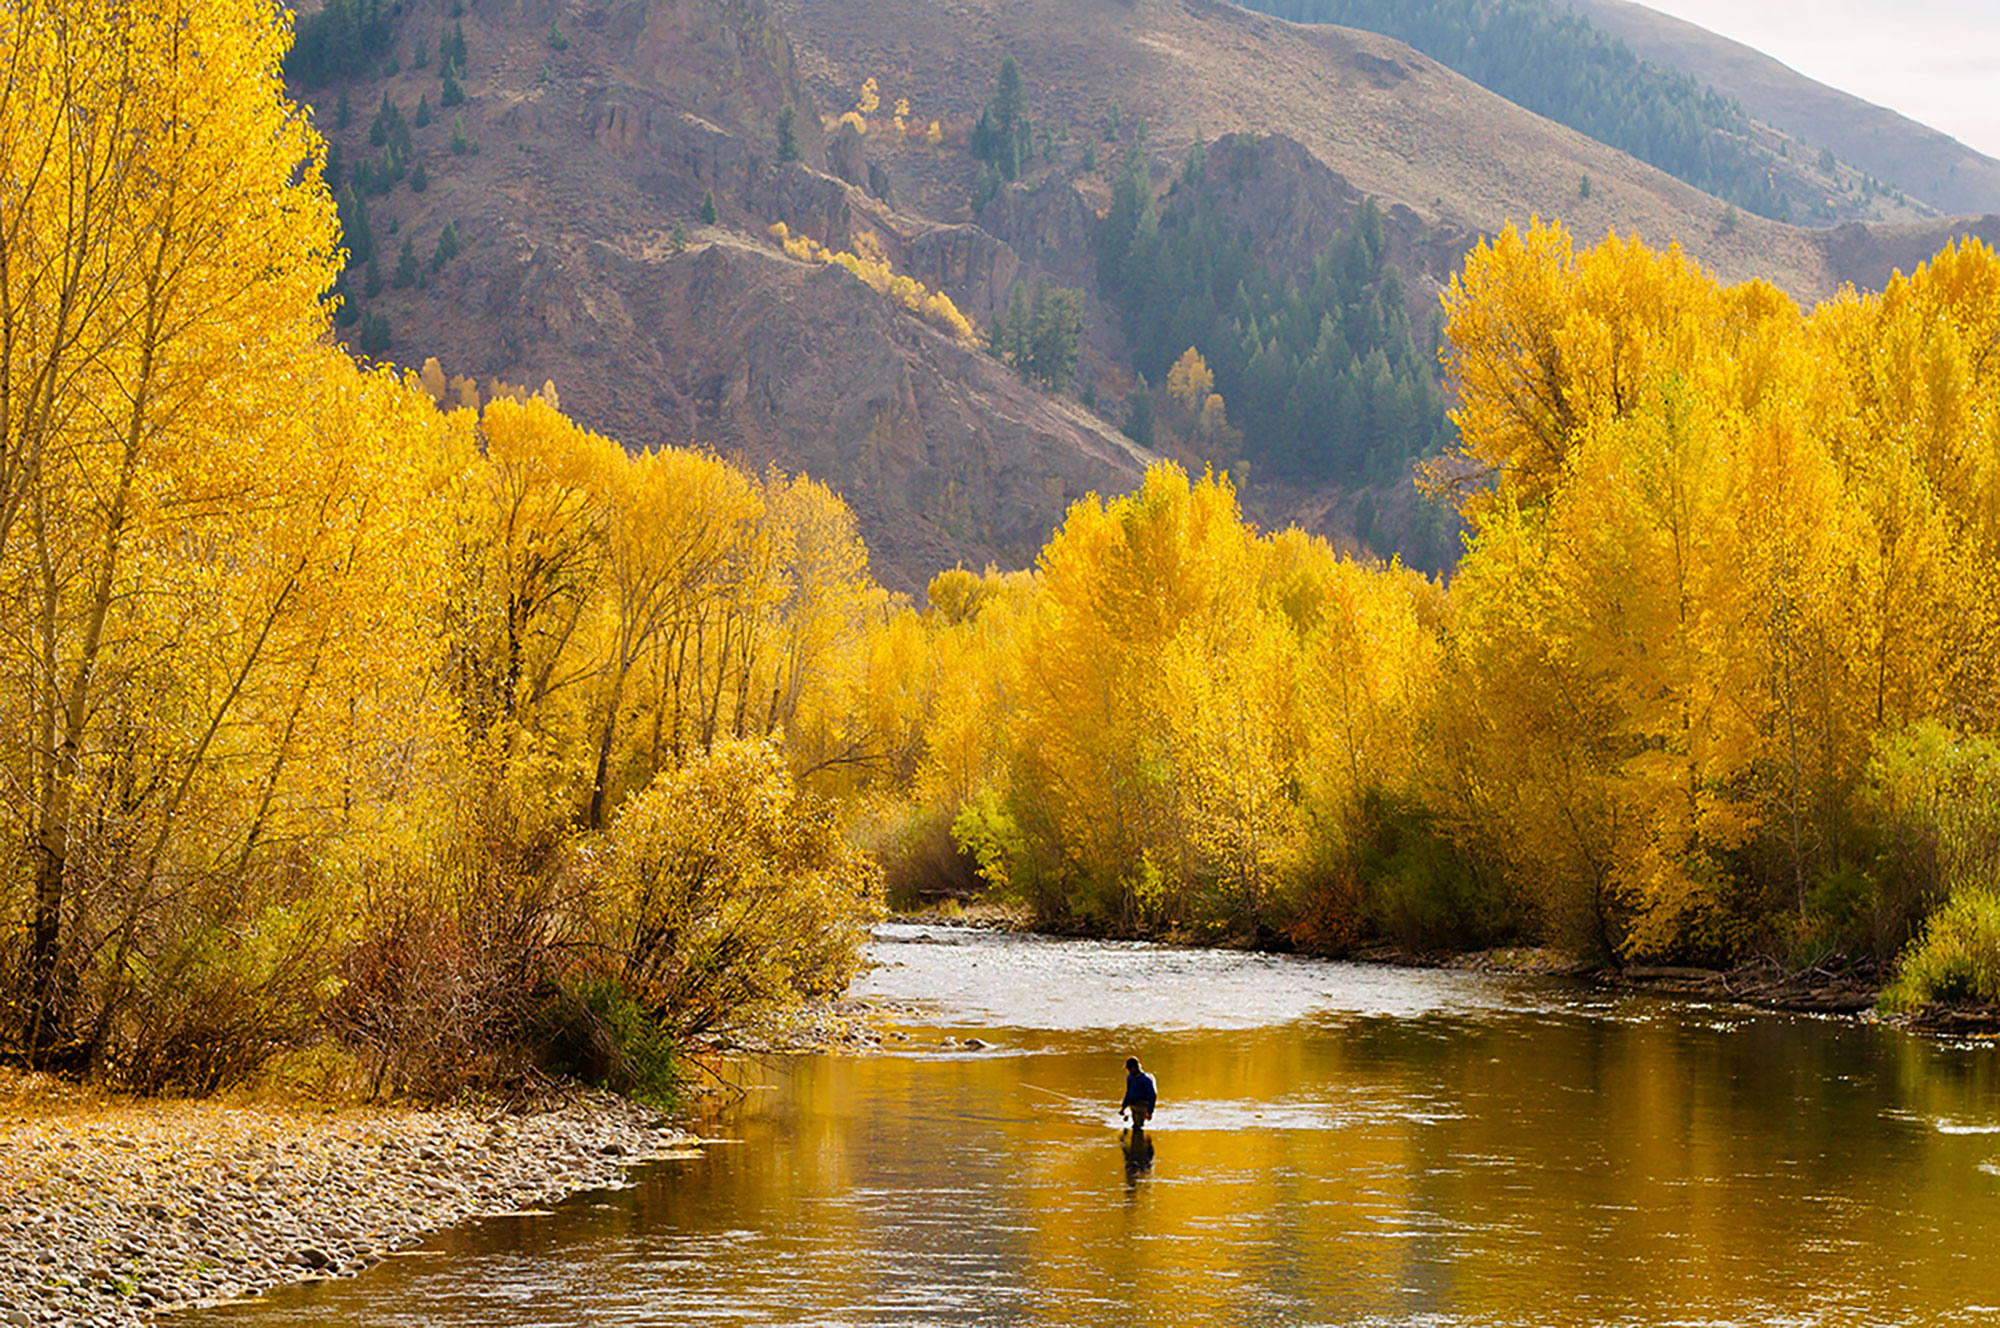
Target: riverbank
[(113, 1211), (1842, 989)]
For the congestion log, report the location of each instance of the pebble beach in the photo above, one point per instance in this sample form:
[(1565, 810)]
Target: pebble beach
[(112, 1214)]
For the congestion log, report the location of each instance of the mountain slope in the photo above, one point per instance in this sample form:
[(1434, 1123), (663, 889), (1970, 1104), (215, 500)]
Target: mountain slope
[(1923, 161), (1394, 123), (1541, 55), (576, 173), (564, 175)]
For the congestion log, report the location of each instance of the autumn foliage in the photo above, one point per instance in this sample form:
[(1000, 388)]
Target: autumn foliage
[(321, 697), (341, 699), (872, 266), (1725, 558)]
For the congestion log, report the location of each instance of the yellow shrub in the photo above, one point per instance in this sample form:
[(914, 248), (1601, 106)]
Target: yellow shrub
[(872, 266), (731, 892)]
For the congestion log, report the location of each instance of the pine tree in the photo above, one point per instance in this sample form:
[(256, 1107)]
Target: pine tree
[(708, 212), (1052, 339), (1004, 136), (406, 265), (1009, 336), (1138, 424), (788, 139), (983, 188), (354, 228), (447, 247), (375, 338)]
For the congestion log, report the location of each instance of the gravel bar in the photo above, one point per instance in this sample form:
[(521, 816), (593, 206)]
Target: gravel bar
[(110, 1215)]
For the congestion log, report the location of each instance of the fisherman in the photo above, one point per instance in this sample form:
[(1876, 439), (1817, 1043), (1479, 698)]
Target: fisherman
[(1141, 1094)]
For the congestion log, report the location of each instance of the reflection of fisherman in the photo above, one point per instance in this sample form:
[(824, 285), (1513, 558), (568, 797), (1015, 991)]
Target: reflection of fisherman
[(1141, 1094), (1138, 1146)]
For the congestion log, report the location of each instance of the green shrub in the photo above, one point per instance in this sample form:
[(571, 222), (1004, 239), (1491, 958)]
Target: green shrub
[(1957, 959), (1420, 890), (602, 1036)]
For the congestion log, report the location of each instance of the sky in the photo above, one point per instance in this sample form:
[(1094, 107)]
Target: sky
[(1936, 61)]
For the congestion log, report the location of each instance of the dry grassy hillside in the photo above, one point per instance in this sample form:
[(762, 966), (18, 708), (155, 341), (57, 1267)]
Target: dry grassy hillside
[(1925, 162), (1395, 123), (578, 166)]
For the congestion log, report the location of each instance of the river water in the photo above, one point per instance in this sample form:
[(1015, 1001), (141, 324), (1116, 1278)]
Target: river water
[(1335, 1144)]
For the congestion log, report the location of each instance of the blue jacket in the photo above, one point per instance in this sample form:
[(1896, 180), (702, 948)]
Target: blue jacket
[(1140, 1091)]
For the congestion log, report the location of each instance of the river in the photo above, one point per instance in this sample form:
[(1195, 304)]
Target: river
[(1336, 1144)]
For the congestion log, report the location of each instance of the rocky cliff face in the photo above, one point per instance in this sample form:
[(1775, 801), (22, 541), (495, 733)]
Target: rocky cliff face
[(571, 272), (943, 455)]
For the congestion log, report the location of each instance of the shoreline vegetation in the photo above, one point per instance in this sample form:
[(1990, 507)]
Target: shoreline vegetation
[(391, 717)]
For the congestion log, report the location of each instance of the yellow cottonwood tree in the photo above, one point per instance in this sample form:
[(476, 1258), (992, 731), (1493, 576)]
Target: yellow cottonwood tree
[(1546, 342), (1189, 381), (1719, 551), (155, 372)]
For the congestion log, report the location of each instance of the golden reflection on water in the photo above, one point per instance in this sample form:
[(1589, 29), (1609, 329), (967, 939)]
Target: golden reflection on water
[(1554, 1158)]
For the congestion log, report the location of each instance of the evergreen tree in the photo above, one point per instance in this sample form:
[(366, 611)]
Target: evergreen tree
[(1138, 424), (788, 139), (375, 338), (1052, 339), (708, 213), (1004, 136), (1013, 330), (1131, 219), (453, 92), (406, 265), (447, 247), (354, 229), (423, 116), (420, 179), (984, 187), (343, 39)]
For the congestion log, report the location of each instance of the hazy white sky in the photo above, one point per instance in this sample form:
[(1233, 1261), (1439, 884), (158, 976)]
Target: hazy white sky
[(1936, 61)]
